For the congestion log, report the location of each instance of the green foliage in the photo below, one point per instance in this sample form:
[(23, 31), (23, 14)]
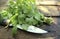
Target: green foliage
[(25, 26), (23, 12), (48, 20)]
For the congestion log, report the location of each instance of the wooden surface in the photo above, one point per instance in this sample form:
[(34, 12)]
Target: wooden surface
[(49, 7), (48, 10), (48, 2)]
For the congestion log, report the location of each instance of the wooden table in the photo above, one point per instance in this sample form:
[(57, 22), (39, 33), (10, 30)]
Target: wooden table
[(54, 29)]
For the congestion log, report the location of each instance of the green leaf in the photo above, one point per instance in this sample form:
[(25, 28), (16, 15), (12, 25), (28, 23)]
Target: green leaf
[(25, 26), (37, 16), (49, 20), (31, 21)]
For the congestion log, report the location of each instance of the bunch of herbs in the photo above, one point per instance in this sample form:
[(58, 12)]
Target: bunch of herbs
[(24, 13)]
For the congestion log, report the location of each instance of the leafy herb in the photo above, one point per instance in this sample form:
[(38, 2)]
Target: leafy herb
[(24, 12)]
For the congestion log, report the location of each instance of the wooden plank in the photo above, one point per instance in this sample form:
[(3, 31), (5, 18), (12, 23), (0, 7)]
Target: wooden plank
[(58, 3), (49, 10), (59, 9), (47, 2), (3, 2), (39, 2)]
